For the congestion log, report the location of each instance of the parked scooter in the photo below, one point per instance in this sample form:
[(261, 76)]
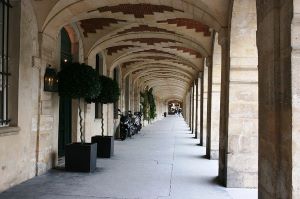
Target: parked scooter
[(138, 120), (124, 123), (132, 127), (127, 128)]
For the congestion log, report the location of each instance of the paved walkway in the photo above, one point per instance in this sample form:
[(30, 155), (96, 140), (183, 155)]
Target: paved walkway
[(162, 162)]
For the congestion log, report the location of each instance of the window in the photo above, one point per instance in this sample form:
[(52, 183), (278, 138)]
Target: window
[(99, 69), (4, 62)]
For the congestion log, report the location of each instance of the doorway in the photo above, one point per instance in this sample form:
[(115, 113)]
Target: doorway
[(65, 103)]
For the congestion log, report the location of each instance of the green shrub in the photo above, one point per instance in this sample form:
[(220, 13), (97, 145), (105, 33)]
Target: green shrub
[(110, 93), (148, 105), (78, 81)]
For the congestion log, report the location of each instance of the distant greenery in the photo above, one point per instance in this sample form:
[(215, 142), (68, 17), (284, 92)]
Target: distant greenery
[(148, 105)]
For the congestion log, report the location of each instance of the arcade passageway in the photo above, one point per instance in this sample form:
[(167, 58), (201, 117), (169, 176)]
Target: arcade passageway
[(76, 73), (162, 162)]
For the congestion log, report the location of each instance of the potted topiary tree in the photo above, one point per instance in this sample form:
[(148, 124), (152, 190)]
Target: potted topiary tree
[(110, 93), (79, 81)]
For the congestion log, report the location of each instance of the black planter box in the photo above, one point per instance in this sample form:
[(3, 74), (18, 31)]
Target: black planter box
[(81, 157), (105, 146)]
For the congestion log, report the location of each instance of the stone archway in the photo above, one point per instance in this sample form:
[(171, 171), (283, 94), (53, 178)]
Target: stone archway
[(212, 148), (239, 104)]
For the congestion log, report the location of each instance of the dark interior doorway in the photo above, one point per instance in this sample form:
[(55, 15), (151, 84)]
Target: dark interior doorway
[(65, 104)]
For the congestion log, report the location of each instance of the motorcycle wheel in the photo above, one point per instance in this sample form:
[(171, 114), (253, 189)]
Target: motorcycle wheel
[(123, 135)]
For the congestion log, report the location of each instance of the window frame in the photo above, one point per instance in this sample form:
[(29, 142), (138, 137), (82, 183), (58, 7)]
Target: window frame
[(4, 63)]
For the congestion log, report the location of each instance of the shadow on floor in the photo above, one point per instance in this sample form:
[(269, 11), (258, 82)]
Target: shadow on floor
[(215, 181)]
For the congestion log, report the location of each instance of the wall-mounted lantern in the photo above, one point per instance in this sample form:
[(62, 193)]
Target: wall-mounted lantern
[(50, 80)]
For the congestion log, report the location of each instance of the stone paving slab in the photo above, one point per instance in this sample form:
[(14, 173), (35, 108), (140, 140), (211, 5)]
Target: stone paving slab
[(162, 162)]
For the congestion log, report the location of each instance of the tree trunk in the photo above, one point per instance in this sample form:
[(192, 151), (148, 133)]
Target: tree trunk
[(80, 122), (102, 120)]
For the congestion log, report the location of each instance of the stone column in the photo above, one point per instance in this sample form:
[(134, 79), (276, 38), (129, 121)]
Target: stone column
[(190, 108), (136, 97), (215, 101), (223, 41), (197, 107), (187, 108), (209, 99), (201, 108), (276, 116), (205, 84), (194, 105), (296, 99), (193, 109), (131, 94)]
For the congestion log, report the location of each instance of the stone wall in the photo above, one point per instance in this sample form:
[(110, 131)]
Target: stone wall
[(18, 148)]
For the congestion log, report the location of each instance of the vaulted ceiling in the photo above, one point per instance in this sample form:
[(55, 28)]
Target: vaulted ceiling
[(162, 44)]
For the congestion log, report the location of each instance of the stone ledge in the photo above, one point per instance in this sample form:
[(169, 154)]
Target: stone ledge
[(6, 131)]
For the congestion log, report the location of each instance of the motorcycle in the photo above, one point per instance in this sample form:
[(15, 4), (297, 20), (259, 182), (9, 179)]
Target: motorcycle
[(132, 127), (124, 123), (130, 124), (138, 120)]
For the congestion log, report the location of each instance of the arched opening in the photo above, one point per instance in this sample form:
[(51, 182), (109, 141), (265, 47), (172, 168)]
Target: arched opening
[(212, 149), (242, 121), (65, 104)]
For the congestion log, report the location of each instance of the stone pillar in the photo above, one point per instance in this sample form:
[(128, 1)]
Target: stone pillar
[(131, 94), (136, 97), (187, 108), (205, 84), (242, 145), (215, 101), (197, 107), (295, 99), (201, 107), (194, 105), (276, 147), (191, 108), (209, 99), (223, 41)]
